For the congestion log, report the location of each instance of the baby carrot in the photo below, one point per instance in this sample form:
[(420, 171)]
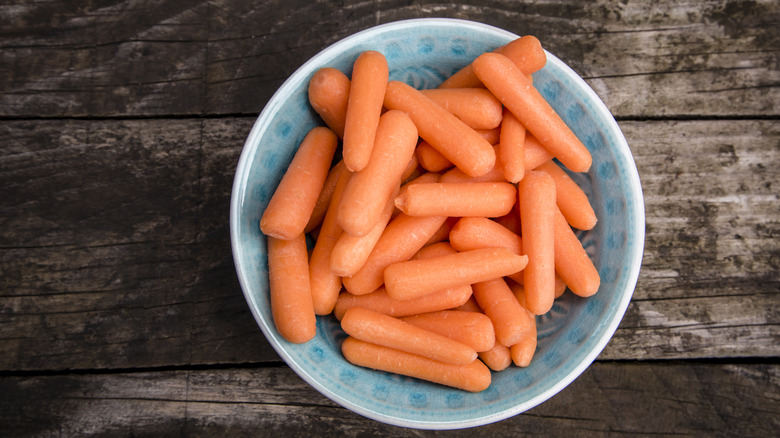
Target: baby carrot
[(510, 321), (443, 232), (517, 281), (470, 328), (473, 377), (491, 135), (368, 190), (431, 159), (402, 238), (496, 174), (469, 306), (414, 278), (412, 170), (321, 206), (325, 284), (570, 198), (571, 261), (489, 199), (523, 351), (329, 95), (509, 85), (292, 203), (288, 275), (377, 328), (479, 232), (476, 107), (497, 358), (526, 52), (380, 301), (535, 154), (536, 193), (463, 146), (350, 252), (511, 152), (369, 81)]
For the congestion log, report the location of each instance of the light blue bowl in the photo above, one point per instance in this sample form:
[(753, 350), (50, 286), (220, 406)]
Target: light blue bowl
[(423, 52)]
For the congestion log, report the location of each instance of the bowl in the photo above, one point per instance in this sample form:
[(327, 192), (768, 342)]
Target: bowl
[(422, 53)]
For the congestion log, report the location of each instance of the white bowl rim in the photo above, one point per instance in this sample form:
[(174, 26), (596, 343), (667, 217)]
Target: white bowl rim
[(638, 234)]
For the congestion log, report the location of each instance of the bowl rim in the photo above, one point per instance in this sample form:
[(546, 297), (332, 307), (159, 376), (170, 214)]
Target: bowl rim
[(637, 235)]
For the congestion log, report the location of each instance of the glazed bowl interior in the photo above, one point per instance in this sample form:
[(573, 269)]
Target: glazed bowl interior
[(422, 53)]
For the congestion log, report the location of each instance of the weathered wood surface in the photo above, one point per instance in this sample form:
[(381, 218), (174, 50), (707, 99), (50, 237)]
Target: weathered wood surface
[(122, 122), (128, 58), (116, 251), (609, 399)]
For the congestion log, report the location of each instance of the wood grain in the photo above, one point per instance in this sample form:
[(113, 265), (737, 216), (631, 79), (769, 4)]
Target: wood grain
[(643, 399), (121, 255), (113, 58)]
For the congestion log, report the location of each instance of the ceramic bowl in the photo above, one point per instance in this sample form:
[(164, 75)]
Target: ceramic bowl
[(422, 53)]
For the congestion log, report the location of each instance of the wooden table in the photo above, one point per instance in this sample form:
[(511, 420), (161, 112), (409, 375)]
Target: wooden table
[(121, 126)]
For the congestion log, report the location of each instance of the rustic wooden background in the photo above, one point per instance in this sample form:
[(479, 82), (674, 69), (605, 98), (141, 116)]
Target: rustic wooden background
[(121, 123)]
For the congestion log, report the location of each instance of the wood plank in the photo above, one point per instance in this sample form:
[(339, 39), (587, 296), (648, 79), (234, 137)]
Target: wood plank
[(667, 59), (114, 246), (624, 399)]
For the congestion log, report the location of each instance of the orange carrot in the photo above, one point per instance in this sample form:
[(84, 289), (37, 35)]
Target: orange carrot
[(571, 261), (511, 152), (414, 278), (526, 52), (425, 178), (491, 135), (321, 206), (470, 328), (490, 199), (380, 329), (325, 284), (536, 193), (288, 275), (444, 231), (463, 146), (497, 358), (431, 159), (509, 85), (329, 95), (523, 351), (402, 238), (570, 198), (473, 377), (496, 174), (369, 81), (510, 321), (292, 203), (380, 301), (412, 170), (477, 107), (535, 154), (350, 252), (560, 285), (469, 306), (368, 190), (479, 232)]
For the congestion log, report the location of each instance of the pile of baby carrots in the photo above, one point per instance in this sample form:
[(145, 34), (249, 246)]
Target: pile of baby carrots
[(444, 227)]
